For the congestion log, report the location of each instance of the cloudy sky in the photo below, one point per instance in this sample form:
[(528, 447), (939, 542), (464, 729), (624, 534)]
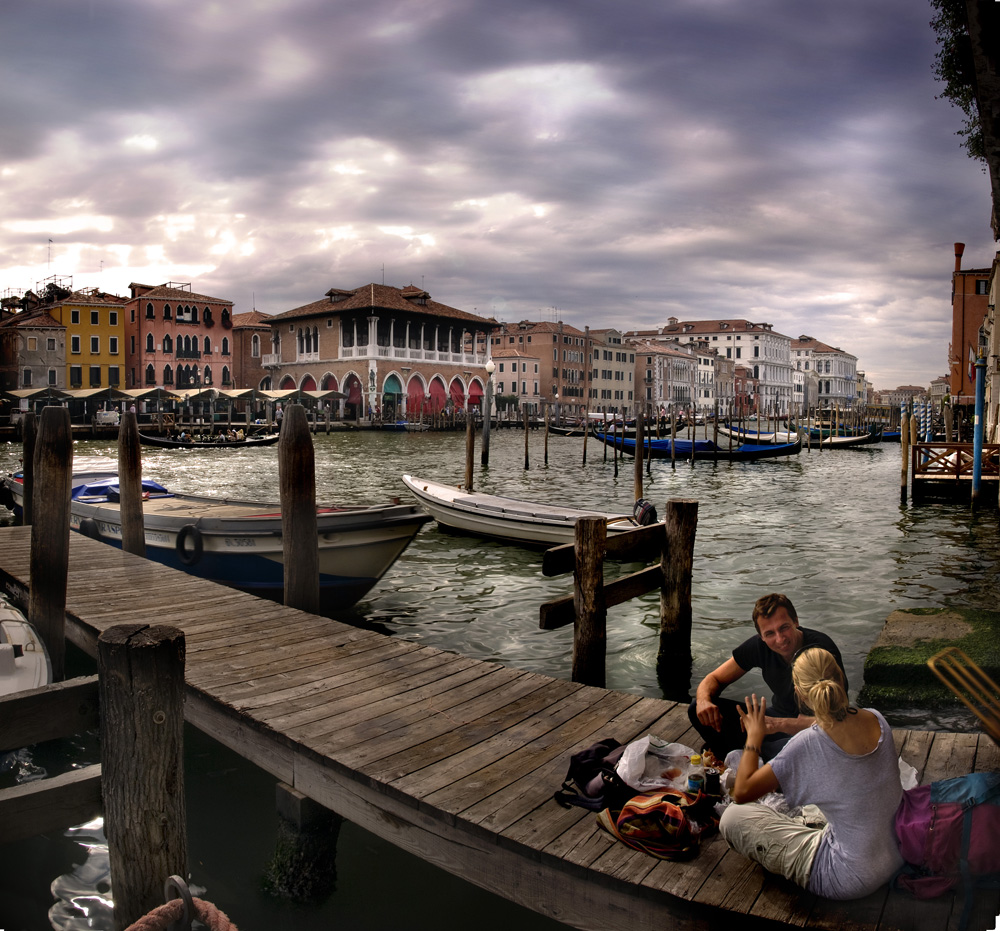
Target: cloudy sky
[(602, 162)]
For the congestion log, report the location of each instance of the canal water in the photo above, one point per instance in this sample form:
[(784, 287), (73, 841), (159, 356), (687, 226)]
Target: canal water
[(826, 528)]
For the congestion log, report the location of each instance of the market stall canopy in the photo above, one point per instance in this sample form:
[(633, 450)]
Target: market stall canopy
[(152, 393), (297, 394), (104, 394)]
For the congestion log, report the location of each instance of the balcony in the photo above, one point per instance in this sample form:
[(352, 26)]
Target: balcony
[(271, 358)]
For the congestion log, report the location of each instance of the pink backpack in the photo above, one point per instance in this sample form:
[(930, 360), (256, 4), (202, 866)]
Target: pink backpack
[(949, 833)]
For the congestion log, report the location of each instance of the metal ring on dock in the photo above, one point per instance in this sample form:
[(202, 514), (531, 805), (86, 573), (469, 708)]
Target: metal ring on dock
[(174, 884)]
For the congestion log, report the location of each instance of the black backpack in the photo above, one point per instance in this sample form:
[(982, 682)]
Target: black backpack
[(591, 781)]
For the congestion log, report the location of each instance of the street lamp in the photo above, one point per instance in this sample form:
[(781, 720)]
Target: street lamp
[(488, 414)]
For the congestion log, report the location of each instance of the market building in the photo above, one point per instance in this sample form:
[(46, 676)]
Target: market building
[(395, 352)]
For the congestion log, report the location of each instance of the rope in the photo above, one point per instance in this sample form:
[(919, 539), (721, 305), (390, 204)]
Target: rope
[(162, 917)]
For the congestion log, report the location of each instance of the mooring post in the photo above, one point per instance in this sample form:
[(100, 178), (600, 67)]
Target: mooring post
[(130, 485), (299, 534), (526, 435), (904, 443), (590, 629), (304, 866), (673, 662), (29, 435), (470, 448), (639, 450), (141, 689), (49, 559)]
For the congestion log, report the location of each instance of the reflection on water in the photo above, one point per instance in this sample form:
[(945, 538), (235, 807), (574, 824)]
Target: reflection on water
[(826, 528)]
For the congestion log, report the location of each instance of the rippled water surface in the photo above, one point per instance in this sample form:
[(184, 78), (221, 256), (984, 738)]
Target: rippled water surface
[(825, 528)]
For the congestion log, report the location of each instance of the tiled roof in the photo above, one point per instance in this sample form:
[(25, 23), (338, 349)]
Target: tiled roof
[(542, 326), (510, 352), (162, 292), (35, 319), (686, 327), (92, 298), (382, 297), (252, 318)]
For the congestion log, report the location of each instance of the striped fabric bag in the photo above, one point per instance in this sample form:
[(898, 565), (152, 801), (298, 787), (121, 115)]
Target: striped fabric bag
[(667, 825)]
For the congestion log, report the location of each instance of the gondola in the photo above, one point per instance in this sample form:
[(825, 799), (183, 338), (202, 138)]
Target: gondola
[(163, 442), (704, 449)]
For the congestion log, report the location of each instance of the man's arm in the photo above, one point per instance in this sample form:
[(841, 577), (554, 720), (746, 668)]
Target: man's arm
[(710, 686), (788, 725)]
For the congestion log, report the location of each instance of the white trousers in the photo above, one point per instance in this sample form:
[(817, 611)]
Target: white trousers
[(780, 844)]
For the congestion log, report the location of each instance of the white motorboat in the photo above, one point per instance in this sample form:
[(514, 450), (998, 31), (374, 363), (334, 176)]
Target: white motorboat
[(24, 661), (239, 543), (505, 518)]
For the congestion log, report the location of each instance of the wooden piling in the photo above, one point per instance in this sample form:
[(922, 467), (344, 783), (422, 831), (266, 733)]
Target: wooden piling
[(904, 443), (526, 435), (29, 434), (586, 431), (590, 631), (470, 449), (639, 450), (49, 560), (130, 485), (141, 676), (299, 532), (673, 662)]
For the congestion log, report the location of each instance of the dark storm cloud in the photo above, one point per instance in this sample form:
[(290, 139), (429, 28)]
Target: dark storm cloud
[(608, 163)]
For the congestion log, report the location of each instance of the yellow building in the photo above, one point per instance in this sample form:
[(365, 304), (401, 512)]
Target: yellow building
[(95, 338)]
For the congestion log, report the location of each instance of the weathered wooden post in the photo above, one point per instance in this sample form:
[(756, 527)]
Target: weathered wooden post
[(29, 435), (130, 485), (299, 534), (586, 431), (141, 687), (470, 448), (639, 450), (590, 631), (673, 662), (304, 866), (904, 443), (49, 559), (545, 443), (526, 435)]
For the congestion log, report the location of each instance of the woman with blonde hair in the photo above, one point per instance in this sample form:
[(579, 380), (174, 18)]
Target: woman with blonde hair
[(846, 765)]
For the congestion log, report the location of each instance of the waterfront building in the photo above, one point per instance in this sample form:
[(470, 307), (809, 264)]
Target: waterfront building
[(667, 376), (612, 372), (177, 338), (564, 354), (835, 371), (394, 352), (251, 340), (764, 352), (938, 392), (746, 390), (904, 394), (970, 298), (38, 349), (516, 381)]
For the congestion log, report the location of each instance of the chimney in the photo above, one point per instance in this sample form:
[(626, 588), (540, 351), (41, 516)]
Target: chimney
[(959, 249)]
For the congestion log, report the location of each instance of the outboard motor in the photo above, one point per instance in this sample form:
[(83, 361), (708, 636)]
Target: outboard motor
[(643, 513)]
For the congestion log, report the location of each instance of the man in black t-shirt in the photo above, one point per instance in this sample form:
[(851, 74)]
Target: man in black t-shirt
[(778, 641)]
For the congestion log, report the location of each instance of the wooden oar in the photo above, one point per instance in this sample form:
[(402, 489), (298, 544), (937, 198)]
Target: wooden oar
[(977, 690)]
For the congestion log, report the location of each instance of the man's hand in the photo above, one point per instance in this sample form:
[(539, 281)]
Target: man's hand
[(709, 714)]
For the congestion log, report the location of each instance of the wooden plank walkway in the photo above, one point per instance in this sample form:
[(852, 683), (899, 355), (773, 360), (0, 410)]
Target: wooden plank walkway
[(454, 759)]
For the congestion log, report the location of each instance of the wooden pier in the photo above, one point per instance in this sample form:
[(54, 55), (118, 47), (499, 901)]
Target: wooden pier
[(945, 470), (454, 759)]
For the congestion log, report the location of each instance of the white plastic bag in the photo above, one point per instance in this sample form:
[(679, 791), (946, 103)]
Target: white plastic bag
[(649, 763)]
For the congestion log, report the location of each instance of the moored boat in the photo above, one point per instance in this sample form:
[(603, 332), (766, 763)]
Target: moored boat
[(758, 437), (504, 518), (239, 543), (24, 661), (703, 449), (164, 442)]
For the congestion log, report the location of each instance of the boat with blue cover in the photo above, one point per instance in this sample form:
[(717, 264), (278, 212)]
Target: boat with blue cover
[(702, 449), (239, 543)]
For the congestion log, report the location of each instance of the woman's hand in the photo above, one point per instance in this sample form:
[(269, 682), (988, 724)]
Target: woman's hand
[(754, 719)]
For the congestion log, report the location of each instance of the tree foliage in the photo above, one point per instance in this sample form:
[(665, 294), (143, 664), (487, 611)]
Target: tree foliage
[(953, 66)]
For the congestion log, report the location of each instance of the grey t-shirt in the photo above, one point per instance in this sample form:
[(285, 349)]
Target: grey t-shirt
[(859, 796)]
